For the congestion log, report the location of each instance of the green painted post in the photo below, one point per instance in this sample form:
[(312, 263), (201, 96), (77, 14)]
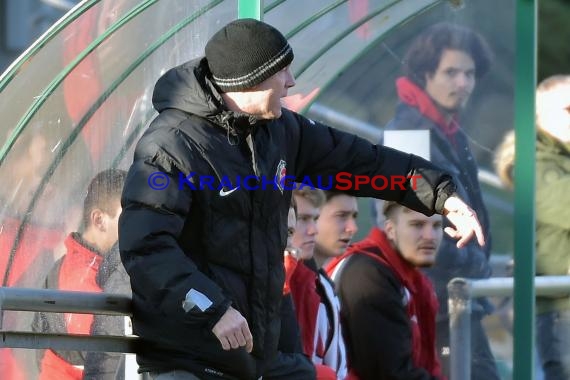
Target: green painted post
[(249, 9), (524, 293)]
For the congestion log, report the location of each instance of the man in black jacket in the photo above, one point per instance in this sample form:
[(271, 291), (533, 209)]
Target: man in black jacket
[(206, 199), (441, 69)]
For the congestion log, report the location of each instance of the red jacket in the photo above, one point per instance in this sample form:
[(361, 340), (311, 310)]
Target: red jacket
[(318, 313), (74, 271)]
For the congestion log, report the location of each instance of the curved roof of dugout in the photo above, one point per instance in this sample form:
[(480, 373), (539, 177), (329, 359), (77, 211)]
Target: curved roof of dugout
[(78, 99), (80, 96)]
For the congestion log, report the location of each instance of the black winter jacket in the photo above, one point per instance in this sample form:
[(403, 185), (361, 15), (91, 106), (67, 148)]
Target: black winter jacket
[(471, 261), (223, 242)]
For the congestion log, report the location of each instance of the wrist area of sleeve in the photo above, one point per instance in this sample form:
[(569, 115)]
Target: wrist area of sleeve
[(205, 301), (445, 190), (218, 313)]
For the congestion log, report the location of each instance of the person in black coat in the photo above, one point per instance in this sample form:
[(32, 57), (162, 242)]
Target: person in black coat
[(205, 204)]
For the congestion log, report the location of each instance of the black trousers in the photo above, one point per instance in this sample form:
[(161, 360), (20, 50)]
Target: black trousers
[(553, 344)]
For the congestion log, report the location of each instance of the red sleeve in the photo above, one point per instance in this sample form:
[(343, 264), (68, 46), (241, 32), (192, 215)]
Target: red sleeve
[(306, 299), (290, 267)]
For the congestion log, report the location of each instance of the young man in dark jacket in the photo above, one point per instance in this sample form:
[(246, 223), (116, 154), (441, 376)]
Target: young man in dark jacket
[(388, 306), (442, 66), (205, 204)]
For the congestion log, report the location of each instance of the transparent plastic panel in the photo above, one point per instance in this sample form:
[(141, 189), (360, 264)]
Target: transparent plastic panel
[(75, 104), (348, 57), (339, 31), (97, 113), (29, 79)]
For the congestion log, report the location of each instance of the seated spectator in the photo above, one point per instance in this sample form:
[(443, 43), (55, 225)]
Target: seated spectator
[(316, 305), (336, 225), (290, 362), (111, 278), (77, 270), (388, 306)]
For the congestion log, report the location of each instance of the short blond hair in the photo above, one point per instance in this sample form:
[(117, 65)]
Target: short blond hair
[(551, 82), (316, 197), (388, 208), (544, 89)]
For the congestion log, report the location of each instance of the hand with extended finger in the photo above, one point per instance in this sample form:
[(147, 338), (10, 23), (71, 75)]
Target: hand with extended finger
[(464, 221), (232, 331)]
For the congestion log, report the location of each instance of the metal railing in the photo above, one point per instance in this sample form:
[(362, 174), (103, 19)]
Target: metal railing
[(461, 293), (59, 301)]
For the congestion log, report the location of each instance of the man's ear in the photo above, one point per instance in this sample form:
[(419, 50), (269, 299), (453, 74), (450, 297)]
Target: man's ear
[(390, 228), (98, 220)]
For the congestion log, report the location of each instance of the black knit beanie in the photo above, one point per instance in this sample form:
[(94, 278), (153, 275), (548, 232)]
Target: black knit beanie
[(246, 52)]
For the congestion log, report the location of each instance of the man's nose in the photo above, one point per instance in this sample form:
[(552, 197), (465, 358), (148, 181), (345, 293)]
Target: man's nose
[(464, 80), (351, 226), (428, 233), (290, 81), (312, 229)]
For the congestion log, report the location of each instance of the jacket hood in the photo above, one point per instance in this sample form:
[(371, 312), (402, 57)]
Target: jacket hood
[(188, 88), (551, 145)]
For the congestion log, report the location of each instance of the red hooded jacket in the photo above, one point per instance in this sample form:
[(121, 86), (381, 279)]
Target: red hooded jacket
[(76, 270)]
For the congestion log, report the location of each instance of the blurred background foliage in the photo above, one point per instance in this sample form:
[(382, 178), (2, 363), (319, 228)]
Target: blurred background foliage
[(553, 36)]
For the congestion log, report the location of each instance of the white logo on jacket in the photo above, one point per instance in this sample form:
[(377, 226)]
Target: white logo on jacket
[(224, 193), (280, 174)]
